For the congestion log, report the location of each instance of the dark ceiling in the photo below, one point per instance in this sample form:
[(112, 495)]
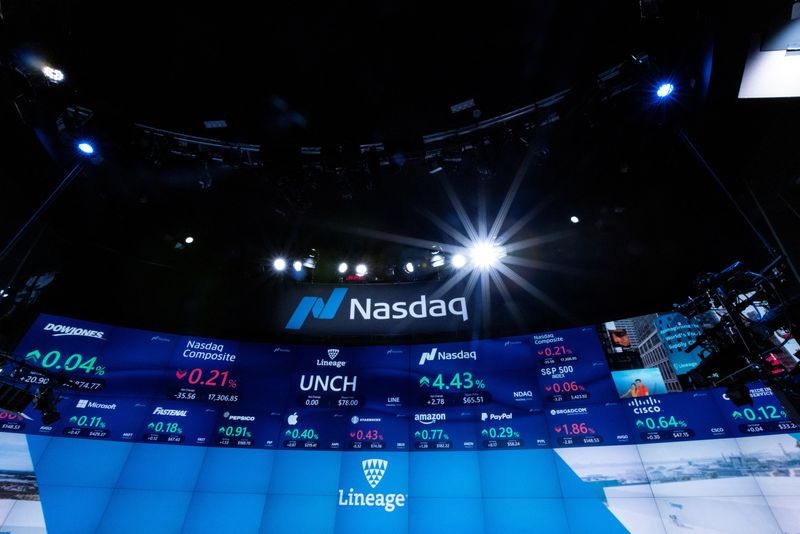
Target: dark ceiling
[(283, 77)]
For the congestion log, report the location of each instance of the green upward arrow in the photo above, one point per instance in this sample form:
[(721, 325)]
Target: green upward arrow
[(222, 430), (737, 415)]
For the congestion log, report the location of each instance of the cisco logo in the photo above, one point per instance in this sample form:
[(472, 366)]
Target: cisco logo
[(649, 405)]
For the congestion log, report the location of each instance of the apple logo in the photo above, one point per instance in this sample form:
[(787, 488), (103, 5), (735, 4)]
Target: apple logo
[(292, 419)]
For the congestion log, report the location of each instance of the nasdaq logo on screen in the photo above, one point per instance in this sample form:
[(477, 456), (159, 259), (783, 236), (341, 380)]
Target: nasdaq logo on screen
[(374, 469), (369, 308), (443, 355)]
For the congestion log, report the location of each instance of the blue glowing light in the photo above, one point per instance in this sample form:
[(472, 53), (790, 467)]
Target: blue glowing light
[(86, 148), (664, 90)]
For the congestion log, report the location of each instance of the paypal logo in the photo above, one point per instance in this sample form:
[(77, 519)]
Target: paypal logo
[(317, 307)]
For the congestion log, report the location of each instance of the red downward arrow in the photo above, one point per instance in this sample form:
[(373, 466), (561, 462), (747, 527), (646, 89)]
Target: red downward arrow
[(352, 434), (558, 429), (180, 373), (548, 388), (539, 352)]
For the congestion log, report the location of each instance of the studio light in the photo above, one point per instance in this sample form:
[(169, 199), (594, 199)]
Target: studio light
[(485, 254), (458, 261), (574, 219), (361, 269), (311, 259), (297, 265), (86, 148), (188, 240), (408, 268), (279, 264), (664, 90), (54, 75), (342, 268)]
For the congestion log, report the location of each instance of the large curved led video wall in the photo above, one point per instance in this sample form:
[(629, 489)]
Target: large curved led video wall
[(578, 430)]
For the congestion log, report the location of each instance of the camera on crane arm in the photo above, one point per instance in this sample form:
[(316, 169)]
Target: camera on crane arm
[(748, 322)]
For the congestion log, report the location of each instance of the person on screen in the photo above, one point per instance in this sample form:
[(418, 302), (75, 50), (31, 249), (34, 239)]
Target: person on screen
[(641, 389), (632, 392)]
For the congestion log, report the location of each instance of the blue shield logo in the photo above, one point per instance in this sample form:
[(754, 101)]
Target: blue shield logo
[(317, 307)]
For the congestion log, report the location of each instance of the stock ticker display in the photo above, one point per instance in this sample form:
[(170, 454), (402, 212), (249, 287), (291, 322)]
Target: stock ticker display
[(581, 430), (546, 390)]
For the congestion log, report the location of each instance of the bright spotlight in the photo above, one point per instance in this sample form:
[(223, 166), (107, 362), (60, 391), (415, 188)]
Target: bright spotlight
[(664, 90), (54, 75), (408, 268), (86, 148), (279, 264), (458, 261), (188, 240), (485, 254), (574, 219), (361, 269), (342, 268), (297, 265)]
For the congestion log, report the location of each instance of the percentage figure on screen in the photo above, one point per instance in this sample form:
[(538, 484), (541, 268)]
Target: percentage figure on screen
[(162, 427), (565, 387), (463, 380), (558, 350), (366, 435), (762, 413), (661, 422), (235, 431), (574, 429), (206, 377), (433, 434), (86, 421), (306, 433), (500, 432), (71, 363)]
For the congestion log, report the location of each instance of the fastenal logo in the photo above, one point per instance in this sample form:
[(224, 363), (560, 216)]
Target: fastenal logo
[(435, 355), (167, 411), (318, 308), (374, 469), (64, 330)]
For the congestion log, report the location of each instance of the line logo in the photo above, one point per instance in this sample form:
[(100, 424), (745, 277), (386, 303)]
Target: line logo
[(318, 308)]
